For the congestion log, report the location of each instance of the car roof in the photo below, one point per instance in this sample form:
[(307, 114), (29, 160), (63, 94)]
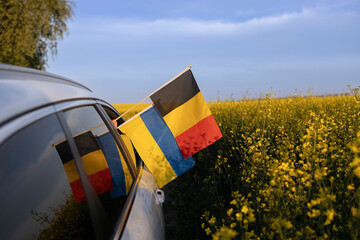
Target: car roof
[(23, 90)]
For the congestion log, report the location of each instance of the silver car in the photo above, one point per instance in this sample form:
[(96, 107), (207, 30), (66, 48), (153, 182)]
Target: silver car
[(66, 171)]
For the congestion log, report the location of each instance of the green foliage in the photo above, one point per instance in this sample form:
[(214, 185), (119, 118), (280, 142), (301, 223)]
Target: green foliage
[(285, 168), (29, 28), (71, 219)]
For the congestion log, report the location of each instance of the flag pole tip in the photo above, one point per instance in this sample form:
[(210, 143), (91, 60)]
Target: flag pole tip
[(190, 66)]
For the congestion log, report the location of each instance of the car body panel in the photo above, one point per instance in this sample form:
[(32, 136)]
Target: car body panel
[(146, 220), (25, 90), (11, 127)]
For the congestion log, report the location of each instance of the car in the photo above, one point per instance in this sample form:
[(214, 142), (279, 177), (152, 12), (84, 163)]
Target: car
[(66, 171)]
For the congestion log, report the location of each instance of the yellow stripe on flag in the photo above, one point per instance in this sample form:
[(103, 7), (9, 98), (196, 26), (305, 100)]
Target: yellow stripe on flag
[(187, 115), (149, 150), (93, 162), (129, 147), (128, 177)]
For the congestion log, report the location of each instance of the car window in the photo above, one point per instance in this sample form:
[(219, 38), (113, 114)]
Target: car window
[(37, 200), (105, 166), (113, 116)]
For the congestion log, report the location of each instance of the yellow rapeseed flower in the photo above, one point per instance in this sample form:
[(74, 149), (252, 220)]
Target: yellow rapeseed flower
[(230, 211), (357, 172), (245, 209)]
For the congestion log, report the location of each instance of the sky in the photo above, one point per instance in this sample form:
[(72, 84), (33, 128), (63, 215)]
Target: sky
[(124, 50)]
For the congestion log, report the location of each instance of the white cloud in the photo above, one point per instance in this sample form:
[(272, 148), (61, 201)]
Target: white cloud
[(188, 27)]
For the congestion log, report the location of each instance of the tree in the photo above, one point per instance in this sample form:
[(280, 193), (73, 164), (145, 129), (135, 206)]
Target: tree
[(31, 28)]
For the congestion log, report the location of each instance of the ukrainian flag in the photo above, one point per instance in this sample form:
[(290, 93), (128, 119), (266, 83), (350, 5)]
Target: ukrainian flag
[(120, 173), (156, 146)]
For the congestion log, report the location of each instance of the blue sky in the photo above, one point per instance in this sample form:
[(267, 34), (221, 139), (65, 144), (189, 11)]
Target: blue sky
[(124, 50)]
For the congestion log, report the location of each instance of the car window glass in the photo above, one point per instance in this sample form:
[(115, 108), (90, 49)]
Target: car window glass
[(37, 200), (100, 156), (112, 115)]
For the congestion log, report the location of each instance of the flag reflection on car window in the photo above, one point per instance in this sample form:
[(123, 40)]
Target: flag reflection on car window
[(105, 166), (94, 163)]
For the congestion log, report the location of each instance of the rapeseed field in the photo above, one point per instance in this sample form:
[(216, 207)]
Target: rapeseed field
[(285, 169), (126, 106)]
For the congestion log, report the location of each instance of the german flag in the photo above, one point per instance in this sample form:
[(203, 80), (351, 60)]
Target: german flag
[(186, 113), (94, 163)]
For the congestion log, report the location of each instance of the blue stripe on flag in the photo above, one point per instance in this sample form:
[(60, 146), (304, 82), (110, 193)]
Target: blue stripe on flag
[(166, 141), (108, 147)]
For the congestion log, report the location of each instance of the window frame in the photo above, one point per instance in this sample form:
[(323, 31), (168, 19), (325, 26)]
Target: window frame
[(136, 173), (98, 105), (120, 224), (97, 213), (122, 147)]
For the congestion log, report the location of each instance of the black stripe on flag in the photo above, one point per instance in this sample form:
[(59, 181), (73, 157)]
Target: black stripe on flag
[(85, 143), (176, 93)]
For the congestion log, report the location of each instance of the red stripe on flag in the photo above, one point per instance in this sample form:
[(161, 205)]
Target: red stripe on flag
[(77, 190), (198, 136), (101, 182)]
